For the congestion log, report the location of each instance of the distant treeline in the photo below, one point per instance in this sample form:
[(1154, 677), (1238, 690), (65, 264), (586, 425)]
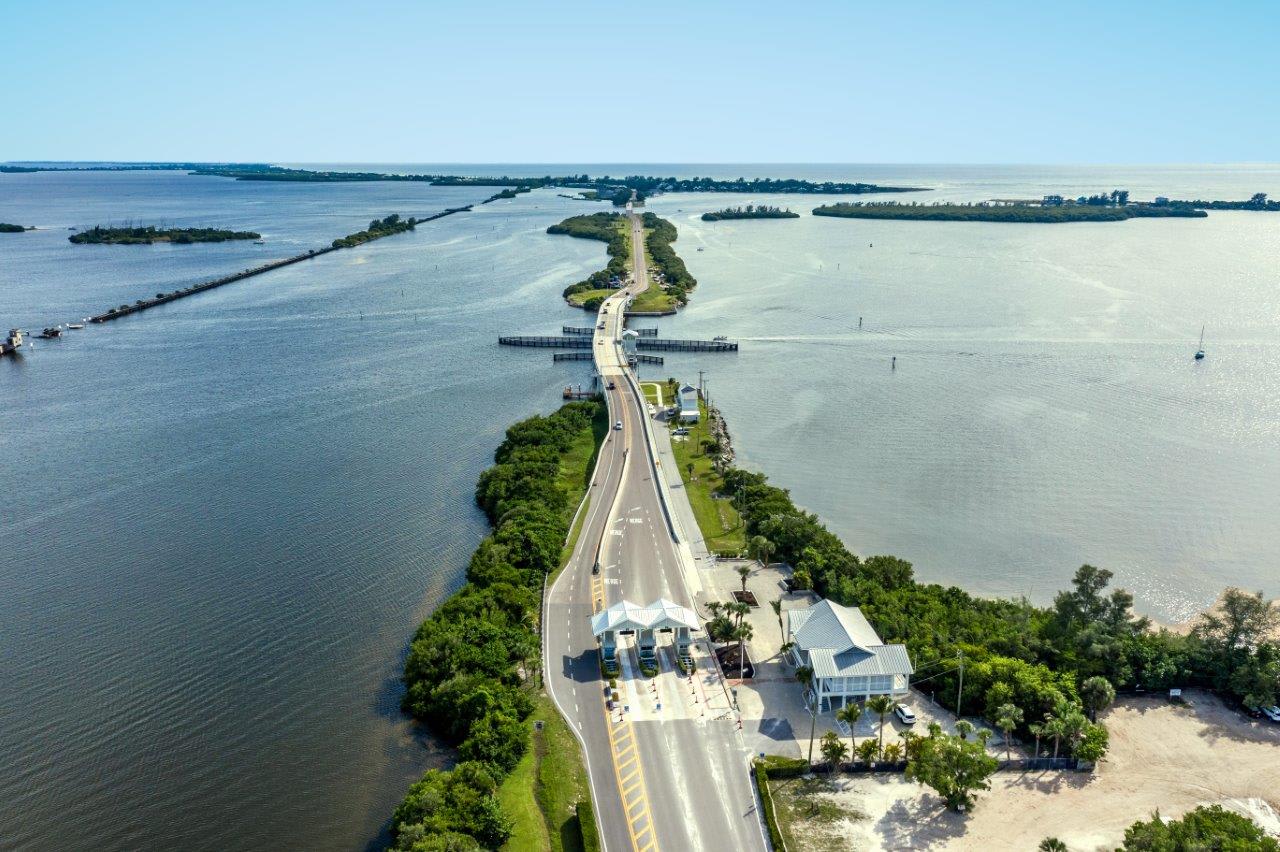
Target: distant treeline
[(471, 664), (377, 229), (987, 212), (1257, 202), (99, 235), (751, 211), (606, 185), (676, 278), (606, 227), (6, 228)]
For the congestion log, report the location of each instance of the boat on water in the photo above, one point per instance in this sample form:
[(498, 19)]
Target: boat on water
[(259, 242), (699, 248), (720, 337), (51, 333), (1200, 350), (75, 325)]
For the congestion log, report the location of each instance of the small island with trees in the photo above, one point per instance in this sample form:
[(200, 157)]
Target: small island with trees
[(6, 228), (377, 229), (1103, 207), (751, 211), (130, 236)]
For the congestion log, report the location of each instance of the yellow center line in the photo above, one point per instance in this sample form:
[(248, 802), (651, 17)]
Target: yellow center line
[(636, 810)]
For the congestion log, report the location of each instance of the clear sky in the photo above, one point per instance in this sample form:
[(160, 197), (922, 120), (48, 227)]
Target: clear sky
[(656, 81)]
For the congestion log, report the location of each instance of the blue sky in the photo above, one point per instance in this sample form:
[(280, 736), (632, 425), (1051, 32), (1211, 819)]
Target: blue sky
[(641, 82)]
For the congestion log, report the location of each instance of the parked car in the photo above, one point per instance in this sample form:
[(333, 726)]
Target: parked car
[(904, 714), (1272, 713), (617, 427)]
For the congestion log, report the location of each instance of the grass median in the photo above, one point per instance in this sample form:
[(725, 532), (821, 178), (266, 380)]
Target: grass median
[(720, 523)]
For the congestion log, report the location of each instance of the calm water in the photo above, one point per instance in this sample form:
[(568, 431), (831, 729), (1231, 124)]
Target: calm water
[(227, 514)]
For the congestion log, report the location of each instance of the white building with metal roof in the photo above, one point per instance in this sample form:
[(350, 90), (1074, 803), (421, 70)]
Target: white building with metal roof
[(688, 401), (849, 661)]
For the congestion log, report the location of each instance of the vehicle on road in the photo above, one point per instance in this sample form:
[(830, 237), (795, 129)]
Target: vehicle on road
[(904, 714), (617, 427), (1272, 713), (612, 385)]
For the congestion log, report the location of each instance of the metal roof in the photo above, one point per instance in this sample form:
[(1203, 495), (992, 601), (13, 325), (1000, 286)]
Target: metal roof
[(880, 660), (835, 627), (659, 615), (841, 642)]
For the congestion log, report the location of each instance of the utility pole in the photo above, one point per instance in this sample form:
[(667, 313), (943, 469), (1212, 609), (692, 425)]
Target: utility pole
[(960, 688), (700, 374)]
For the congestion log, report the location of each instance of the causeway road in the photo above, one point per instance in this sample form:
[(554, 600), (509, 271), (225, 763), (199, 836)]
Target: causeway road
[(668, 769)]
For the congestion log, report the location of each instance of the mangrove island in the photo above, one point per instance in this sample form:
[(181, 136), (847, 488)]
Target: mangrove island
[(377, 229), (751, 211), (1106, 207), (6, 228), (129, 236)]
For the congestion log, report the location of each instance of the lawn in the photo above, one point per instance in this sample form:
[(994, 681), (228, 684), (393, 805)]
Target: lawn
[(720, 523), (653, 299), (576, 299), (542, 793)]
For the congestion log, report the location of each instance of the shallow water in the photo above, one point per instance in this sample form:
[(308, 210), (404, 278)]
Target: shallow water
[(227, 514)]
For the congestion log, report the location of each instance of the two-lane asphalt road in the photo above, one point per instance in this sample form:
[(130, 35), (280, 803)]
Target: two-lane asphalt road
[(670, 771)]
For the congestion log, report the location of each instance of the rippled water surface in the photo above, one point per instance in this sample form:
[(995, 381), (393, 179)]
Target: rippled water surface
[(226, 515)]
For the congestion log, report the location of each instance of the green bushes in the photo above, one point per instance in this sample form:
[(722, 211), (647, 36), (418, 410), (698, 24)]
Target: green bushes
[(606, 227), (467, 664), (677, 279), (1206, 827), (587, 824), (766, 801), (776, 766)]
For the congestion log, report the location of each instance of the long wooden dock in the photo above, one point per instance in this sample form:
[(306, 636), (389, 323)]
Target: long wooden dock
[(547, 341), (670, 345)]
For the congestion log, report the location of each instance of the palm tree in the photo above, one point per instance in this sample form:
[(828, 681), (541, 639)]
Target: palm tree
[(964, 728), (881, 705), (1056, 728), (776, 606), (1008, 717), (804, 674), (1037, 730), (1052, 844), (1097, 694), (739, 610), (762, 548), (744, 571), (893, 752), (742, 633), (850, 714), (833, 749)]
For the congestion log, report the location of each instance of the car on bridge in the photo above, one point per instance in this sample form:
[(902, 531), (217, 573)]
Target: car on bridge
[(617, 427)]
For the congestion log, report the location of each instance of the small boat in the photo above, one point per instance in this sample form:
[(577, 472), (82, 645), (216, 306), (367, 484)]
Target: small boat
[(75, 325), (259, 242), (1200, 351), (51, 333), (699, 248), (720, 337)]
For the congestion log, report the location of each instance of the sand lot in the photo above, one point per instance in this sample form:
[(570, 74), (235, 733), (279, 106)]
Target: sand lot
[(1162, 756)]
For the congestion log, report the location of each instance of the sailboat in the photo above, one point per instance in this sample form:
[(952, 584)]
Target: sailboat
[(1200, 351)]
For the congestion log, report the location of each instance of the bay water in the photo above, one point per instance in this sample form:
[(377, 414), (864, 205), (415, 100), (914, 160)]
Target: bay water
[(226, 515)]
